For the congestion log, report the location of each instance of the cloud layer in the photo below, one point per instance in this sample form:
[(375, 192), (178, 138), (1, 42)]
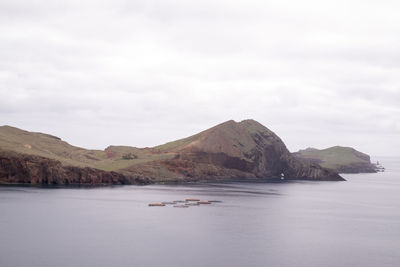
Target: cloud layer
[(146, 72)]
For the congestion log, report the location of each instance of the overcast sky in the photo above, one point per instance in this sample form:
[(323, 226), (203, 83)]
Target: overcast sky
[(142, 73)]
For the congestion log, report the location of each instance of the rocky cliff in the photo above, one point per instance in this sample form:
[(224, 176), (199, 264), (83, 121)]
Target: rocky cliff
[(231, 150), (340, 159), (27, 169)]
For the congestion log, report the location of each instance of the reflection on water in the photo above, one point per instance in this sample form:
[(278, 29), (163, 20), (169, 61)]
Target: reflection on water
[(353, 223)]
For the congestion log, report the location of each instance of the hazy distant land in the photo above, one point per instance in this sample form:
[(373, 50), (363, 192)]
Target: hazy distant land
[(340, 159)]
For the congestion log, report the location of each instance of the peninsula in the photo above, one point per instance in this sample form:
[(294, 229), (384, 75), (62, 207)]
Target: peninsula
[(229, 151), (341, 159)]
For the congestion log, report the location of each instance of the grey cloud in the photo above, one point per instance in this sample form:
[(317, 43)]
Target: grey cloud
[(317, 73)]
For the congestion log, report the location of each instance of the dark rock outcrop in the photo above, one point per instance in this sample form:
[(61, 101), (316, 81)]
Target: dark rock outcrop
[(235, 150), (231, 150), (28, 169), (357, 167)]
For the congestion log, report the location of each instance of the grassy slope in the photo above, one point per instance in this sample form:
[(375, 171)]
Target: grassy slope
[(230, 137), (335, 156), (116, 161), (178, 144), (24, 142), (44, 145)]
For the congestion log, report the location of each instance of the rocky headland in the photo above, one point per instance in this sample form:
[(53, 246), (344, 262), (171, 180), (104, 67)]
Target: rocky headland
[(341, 159), (228, 151)]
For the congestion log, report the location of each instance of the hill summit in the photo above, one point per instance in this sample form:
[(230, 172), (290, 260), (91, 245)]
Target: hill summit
[(231, 150)]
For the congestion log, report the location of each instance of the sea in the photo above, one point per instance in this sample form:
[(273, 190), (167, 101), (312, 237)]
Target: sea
[(298, 223)]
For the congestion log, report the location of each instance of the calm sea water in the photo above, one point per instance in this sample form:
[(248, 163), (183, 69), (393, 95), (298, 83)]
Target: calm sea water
[(353, 223)]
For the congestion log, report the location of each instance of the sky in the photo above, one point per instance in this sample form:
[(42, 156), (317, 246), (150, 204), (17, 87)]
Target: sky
[(142, 73)]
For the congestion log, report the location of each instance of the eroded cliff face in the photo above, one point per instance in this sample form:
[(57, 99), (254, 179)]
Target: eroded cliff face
[(28, 169), (204, 166), (231, 150), (357, 167), (235, 150)]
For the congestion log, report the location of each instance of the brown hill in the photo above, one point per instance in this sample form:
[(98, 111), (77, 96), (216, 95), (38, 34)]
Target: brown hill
[(231, 150)]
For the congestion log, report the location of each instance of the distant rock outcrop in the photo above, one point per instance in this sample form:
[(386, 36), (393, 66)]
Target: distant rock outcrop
[(340, 159), (231, 150)]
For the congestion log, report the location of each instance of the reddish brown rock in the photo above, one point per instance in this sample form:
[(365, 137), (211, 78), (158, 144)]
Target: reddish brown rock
[(231, 150), (27, 169), (228, 151)]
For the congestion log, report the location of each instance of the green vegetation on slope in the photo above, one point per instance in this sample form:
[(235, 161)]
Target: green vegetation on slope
[(342, 159), (228, 150), (44, 145), (336, 155), (48, 146), (228, 137)]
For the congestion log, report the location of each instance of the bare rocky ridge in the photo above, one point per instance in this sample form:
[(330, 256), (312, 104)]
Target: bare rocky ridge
[(231, 150)]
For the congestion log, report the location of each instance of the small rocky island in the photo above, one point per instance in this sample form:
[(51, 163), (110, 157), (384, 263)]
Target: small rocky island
[(340, 159), (232, 150)]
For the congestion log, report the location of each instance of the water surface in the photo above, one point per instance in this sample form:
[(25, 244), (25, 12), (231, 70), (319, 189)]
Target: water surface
[(353, 223)]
